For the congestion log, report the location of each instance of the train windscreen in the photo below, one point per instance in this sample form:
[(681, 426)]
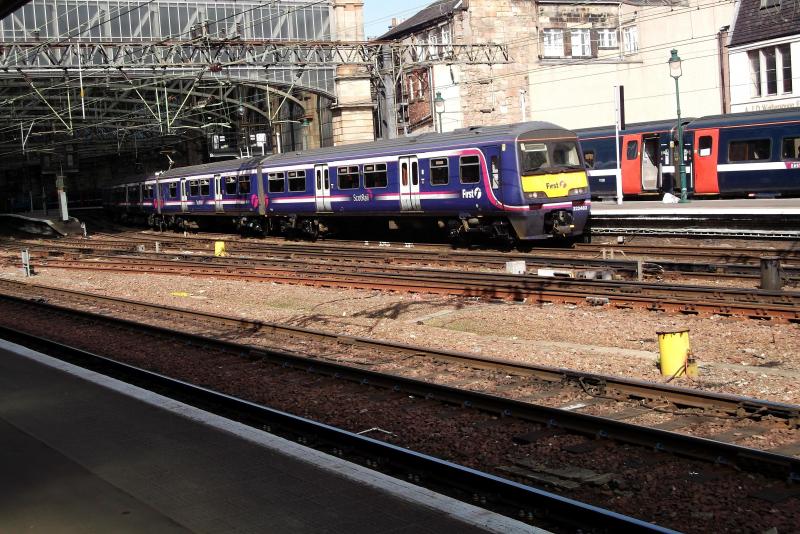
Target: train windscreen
[(548, 156)]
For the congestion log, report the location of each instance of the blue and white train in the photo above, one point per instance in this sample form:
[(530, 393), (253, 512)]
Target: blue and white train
[(735, 155), (513, 183)]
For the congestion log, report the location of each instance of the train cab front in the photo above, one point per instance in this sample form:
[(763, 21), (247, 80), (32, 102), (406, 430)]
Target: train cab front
[(554, 186)]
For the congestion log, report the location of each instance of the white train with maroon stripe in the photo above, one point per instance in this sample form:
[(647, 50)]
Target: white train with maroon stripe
[(520, 182)]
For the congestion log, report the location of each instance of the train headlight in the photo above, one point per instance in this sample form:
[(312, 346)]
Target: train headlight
[(535, 195), (578, 191)]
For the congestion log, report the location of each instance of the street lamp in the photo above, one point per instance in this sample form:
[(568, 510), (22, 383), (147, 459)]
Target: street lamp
[(675, 71), (438, 105)]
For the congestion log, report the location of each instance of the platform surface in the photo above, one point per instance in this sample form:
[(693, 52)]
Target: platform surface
[(743, 206), (85, 453), (49, 222)]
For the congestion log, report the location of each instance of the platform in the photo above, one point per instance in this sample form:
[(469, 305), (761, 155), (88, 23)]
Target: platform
[(743, 206), (40, 223), (86, 453), (777, 217)]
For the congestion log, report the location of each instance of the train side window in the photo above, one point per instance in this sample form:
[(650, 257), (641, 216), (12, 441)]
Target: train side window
[(276, 181), (348, 177), (375, 176), (791, 148), (194, 188), (173, 190), (297, 181), (244, 185), (440, 171), (704, 145), (588, 157), (633, 150), (205, 187), (751, 150), (495, 172), (470, 169), (230, 185)]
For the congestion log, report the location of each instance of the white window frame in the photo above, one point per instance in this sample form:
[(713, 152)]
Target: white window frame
[(759, 75), (553, 42), (630, 37), (581, 40), (607, 38)]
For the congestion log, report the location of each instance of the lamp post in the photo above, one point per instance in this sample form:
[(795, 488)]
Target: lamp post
[(438, 105), (675, 71)]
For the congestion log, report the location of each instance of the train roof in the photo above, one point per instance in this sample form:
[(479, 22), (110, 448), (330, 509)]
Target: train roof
[(411, 144), (739, 119), (215, 167), (637, 127)]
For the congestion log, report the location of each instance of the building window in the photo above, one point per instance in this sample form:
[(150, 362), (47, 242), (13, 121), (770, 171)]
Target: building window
[(755, 72), (276, 182), (297, 181), (581, 43), (470, 170), (348, 177), (607, 38), (440, 171), (770, 70), (791, 148), (553, 43), (375, 175), (785, 58), (752, 150), (630, 36)]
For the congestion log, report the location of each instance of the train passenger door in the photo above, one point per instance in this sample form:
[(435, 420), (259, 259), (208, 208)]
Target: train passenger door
[(322, 187), (631, 164), (651, 164), (218, 193), (409, 183), (704, 164), (184, 199)]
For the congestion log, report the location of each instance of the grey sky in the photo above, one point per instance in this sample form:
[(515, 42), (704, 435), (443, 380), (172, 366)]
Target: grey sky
[(378, 13)]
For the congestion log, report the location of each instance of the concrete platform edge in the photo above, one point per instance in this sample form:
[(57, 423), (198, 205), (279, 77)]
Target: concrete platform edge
[(464, 512)]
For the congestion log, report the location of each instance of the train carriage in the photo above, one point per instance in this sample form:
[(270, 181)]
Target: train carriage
[(519, 182), (747, 154), (735, 155)]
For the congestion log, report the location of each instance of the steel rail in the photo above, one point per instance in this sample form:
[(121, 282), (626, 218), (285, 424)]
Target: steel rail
[(604, 384), (703, 449), (459, 481), (411, 256), (749, 303)]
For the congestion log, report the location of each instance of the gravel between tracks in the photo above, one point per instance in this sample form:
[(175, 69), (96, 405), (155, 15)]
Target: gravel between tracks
[(744, 357)]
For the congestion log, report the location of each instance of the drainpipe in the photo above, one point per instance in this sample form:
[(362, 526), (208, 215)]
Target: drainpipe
[(724, 69)]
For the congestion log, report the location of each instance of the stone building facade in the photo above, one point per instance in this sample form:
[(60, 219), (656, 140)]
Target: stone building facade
[(567, 56), (473, 94)]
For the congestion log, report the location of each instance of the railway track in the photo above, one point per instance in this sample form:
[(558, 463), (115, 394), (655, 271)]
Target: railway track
[(522, 421), (736, 302), (320, 344), (626, 261)]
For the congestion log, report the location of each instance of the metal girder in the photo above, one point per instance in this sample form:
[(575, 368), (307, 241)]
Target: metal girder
[(43, 57)]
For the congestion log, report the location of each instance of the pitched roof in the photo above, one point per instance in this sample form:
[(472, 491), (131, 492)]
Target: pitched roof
[(433, 13), (756, 24)]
